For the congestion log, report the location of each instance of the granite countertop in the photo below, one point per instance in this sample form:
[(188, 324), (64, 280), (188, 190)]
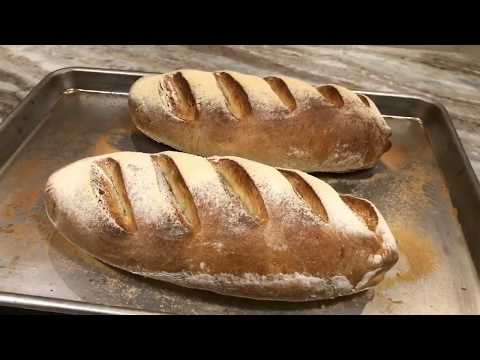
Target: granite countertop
[(449, 78)]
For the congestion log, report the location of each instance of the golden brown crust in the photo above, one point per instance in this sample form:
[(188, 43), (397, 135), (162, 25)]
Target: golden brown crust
[(108, 185), (241, 184), (180, 97), (306, 192), (277, 120), (165, 167), (235, 97), (224, 224), (363, 209), (283, 92)]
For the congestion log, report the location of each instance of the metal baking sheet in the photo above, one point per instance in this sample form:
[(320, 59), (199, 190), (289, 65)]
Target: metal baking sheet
[(424, 186)]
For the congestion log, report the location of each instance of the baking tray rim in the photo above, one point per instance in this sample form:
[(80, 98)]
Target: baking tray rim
[(34, 302), (66, 70), (459, 148)]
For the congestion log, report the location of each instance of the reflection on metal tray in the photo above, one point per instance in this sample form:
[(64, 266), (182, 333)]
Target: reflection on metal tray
[(424, 186)]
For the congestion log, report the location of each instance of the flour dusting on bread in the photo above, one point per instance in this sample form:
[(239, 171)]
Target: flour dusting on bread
[(292, 252), (291, 124)]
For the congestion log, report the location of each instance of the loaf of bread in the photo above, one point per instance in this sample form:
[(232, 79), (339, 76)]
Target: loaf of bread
[(275, 120), (223, 224)]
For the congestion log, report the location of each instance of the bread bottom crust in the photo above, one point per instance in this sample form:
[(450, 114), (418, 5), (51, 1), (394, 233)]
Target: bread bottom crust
[(305, 168), (294, 287), (279, 287)]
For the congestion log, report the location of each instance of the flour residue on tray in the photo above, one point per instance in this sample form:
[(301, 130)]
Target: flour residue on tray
[(19, 231), (418, 257), (113, 141), (398, 195), (7, 229), (102, 146), (22, 199), (396, 158), (406, 190), (412, 194), (112, 136), (411, 188), (19, 202), (419, 253)]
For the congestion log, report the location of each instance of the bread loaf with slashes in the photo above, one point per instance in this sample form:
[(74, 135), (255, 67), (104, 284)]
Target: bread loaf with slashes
[(223, 224), (276, 120)]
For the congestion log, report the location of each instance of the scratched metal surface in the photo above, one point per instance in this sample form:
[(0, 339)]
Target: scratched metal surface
[(435, 273)]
